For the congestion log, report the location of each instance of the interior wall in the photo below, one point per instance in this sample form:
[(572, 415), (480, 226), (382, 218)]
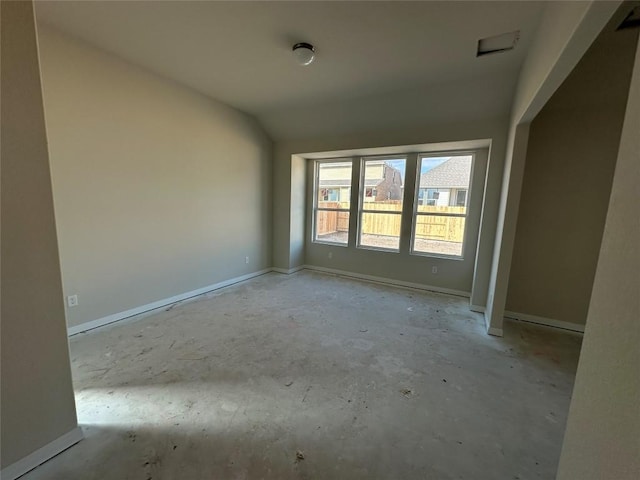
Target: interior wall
[(480, 97), (37, 403), (158, 190), (566, 31), (572, 150), (602, 439), (286, 230)]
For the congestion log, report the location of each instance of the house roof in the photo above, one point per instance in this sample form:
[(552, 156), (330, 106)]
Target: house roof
[(453, 173)]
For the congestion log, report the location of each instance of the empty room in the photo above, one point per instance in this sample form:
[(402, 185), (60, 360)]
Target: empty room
[(320, 239)]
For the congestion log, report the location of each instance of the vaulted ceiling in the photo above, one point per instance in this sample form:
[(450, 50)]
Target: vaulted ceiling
[(240, 52)]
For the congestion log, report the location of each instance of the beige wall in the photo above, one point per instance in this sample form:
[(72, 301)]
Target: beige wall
[(465, 99), (37, 396), (292, 249), (603, 430), (572, 149), (158, 190), (567, 29)]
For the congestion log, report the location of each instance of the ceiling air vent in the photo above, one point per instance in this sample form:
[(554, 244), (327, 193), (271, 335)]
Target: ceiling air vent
[(632, 20), (498, 43)]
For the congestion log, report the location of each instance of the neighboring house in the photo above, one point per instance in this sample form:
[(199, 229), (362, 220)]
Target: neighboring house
[(446, 185), (382, 182)]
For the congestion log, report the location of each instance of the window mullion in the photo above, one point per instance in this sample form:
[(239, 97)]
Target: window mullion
[(354, 215), (406, 225), (389, 212), (438, 214)]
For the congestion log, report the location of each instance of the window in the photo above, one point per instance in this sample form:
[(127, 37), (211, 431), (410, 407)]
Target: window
[(439, 220), (437, 215), (433, 196), (461, 198), (332, 201), (380, 213)]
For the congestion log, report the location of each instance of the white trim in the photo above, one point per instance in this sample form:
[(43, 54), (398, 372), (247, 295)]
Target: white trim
[(289, 271), (41, 455), (549, 322), (496, 332), (83, 327), (477, 308), (389, 281)]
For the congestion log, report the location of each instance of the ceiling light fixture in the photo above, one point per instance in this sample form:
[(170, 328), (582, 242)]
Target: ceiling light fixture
[(304, 53)]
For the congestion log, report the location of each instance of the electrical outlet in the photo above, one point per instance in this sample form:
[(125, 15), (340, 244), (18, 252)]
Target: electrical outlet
[(434, 269), (72, 300), (330, 255), (246, 260)]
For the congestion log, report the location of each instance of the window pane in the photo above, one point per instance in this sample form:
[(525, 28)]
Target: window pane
[(440, 235), (444, 182), (383, 184), (332, 227), (334, 185), (380, 230)]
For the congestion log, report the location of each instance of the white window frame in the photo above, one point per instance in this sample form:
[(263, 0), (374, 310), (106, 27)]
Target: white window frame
[(316, 209), (362, 204), (414, 216)]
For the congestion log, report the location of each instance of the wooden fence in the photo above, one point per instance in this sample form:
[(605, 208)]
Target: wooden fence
[(428, 227)]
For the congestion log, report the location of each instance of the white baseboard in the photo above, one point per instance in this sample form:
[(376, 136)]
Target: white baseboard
[(389, 281), (549, 322), (289, 271), (83, 327), (496, 332), (41, 455), (477, 308)]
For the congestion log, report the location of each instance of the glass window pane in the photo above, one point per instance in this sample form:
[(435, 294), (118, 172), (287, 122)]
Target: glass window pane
[(444, 183), (440, 235), (383, 184), (380, 230), (334, 185), (332, 227)]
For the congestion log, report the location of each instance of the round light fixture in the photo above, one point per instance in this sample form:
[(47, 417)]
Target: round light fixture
[(304, 53)]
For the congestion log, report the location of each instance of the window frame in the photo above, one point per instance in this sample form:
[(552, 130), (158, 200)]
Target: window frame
[(315, 208), (466, 196), (415, 213), (361, 203)]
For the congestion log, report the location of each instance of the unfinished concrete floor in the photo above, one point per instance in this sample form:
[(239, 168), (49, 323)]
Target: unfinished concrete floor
[(365, 381)]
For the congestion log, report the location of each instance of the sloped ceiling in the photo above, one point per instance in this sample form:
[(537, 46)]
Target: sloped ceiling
[(240, 52)]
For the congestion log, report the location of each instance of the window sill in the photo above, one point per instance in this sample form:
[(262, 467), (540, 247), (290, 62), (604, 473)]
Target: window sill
[(331, 244), (436, 255)]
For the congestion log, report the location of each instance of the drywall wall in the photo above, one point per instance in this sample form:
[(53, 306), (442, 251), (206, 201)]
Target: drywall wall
[(487, 96), (158, 190), (566, 32), (289, 217), (37, 396), (572, 149), (602, 439)]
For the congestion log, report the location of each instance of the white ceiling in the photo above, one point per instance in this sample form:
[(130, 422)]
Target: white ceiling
[(240, 52)]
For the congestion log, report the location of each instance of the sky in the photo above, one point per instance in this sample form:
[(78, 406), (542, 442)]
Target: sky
[(427, 164), (431, 162)]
